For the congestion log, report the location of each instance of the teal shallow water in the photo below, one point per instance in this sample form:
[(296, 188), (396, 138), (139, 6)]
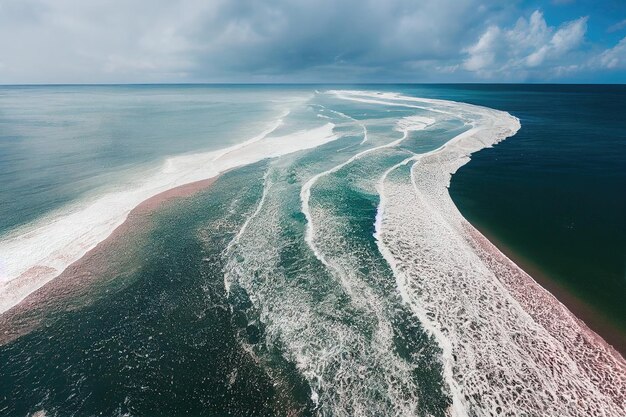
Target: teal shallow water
[(61, 144)]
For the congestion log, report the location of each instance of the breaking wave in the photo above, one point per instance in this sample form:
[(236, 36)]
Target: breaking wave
[(36, 254), (382, 285)]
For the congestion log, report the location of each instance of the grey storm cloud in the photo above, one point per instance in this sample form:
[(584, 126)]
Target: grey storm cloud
[(246, 40), (288, 35)]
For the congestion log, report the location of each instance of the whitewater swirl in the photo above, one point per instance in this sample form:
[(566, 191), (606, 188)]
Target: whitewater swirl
[(346, 309), (509, 347)]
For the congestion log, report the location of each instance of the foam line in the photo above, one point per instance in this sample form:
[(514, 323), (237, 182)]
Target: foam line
[(278, 123), (391, 100), (405, 125), (509, 347), (229, 249), (340, 114), (458, 408), (362, 125), (39, 252), (364, 134), (395, 97)]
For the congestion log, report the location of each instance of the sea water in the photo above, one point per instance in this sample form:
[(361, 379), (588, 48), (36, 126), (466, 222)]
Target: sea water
[(326, 276)]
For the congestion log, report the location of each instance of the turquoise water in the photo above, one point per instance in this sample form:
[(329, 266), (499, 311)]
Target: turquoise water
[(266, 294), (61, 144)]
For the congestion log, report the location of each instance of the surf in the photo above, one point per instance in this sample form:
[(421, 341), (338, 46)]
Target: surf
[(37, 253), (491, 342), (350, 263)]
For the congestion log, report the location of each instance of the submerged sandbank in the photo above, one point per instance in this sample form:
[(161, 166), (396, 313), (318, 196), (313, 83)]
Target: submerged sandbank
[(37, 254), (78, 277)]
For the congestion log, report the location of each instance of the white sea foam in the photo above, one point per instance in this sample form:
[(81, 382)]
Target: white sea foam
[(369, 366), (36, 254), (509, 347), (364, 134), (233, 243), (395, 100), (345, 116), (405, 125), (336, 329), (500, 354)]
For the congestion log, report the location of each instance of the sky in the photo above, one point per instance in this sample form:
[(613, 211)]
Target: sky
[(298, 41)]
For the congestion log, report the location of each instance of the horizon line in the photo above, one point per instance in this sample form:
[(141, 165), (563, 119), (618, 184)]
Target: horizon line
[(297, 84)]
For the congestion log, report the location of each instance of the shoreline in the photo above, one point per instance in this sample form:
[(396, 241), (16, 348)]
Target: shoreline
[(39, 254), (77, 278), (592, 319), (493, 321)]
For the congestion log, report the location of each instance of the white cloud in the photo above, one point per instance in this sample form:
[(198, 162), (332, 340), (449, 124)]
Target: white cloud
[(528, 46), (614, 58), (96, 41), (234, 40), (482, 54), (569, 36), (284, 40), (617, 26)]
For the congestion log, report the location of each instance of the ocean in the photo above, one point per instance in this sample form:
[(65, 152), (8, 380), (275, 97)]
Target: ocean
[(555, 195), (326, 271)]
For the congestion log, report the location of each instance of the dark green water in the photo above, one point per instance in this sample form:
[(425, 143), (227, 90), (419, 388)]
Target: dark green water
[(555, 193), (160, 339)]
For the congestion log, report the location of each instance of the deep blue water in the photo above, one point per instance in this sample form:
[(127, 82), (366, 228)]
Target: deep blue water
[(555, 193)]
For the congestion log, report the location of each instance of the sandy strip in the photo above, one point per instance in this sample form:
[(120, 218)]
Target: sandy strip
[(77, 278), (509, 347), (587, 315), (32, 256)]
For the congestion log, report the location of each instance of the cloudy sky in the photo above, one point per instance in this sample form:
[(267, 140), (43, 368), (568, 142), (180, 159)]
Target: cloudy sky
[(128, 41)]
